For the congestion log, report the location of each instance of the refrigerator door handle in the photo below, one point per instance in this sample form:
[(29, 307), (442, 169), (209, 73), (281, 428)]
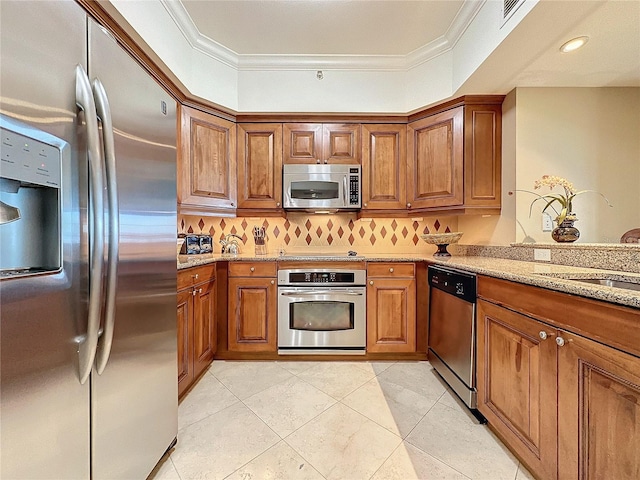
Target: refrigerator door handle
[(88, 345), (104, 114)]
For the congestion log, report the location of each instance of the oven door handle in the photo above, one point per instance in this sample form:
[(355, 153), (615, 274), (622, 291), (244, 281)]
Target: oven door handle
[(288, 293)]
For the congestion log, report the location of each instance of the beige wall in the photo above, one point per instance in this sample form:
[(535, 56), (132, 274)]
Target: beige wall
[(591, 136)]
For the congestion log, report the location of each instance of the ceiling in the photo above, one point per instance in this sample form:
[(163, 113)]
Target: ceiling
[(417, 30)]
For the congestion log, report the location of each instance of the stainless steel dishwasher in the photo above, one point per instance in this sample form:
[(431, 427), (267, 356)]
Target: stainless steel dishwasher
[(452, 331)]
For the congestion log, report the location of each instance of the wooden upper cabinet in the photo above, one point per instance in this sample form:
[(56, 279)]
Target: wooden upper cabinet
[(207, 163), (259, 165), (435, 158), (384, 167), (321, 143)]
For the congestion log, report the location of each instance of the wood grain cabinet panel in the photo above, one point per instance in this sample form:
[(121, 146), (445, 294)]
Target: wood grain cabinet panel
[(384, 167), (483, 156), (599, 411), (185, 345), (206, 163), (321, 143), (517, 384), (391, 308), (205, 338), (252, 323), (341, 143), (259, 166)]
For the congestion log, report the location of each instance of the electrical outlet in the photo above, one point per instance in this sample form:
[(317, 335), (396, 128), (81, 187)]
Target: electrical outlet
[(547, 223), (542, 254)]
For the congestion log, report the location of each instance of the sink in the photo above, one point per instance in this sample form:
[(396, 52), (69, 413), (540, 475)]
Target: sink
[(609, 283)]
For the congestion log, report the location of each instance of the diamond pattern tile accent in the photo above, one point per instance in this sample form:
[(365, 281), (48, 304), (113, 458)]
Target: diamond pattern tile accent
[(298, 232), (447, 230), (265, 224), (329, 224), (436, 225), (394, 239), (319, 232), (190, 230), (201, 224), (362, 231), (287, 224), (372, 239), (340, 232), (244, 224), (383, 232), (308, 239), (223, 224), (287, 239), (308, 224), (405, 232), (351, 239), (415, 226), (212, 231), (415, 239), (329, 239), (182, 224), (244, 238), (276, 232), (372, 224), (426, 230), (351, 225), (394, 225)]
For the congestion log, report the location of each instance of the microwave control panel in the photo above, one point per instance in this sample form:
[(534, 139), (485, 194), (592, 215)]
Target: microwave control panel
[(354, 186)]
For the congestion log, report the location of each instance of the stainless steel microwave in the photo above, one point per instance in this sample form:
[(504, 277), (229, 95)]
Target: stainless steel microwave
[(322, 187)]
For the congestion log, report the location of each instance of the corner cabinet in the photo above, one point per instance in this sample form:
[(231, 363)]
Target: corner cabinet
[(384, 167), (252, 322), (197, 329), (454, 158), (321, 143), (259, 168), (207, 181), (391, 308), (566, 404)]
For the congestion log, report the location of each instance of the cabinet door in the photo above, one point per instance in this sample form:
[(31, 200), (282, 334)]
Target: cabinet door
[(204, 326), (252, 314), (435, 160), (207, 163), (391, 315), (302, 143), (260, 165), (185, 345), (341, 143), (482, 155), (517, 390), (384, 167), (598, 411)]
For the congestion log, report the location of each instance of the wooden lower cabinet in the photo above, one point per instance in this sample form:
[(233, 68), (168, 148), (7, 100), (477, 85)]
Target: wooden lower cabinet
[(197, 331), (252, 322), (568, 406), (391, 308)]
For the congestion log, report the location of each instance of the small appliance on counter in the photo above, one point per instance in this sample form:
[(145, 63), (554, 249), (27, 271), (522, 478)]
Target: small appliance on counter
[(196, 244)]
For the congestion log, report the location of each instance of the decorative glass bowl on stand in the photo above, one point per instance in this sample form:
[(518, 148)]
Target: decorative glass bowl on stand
[(442, 240)]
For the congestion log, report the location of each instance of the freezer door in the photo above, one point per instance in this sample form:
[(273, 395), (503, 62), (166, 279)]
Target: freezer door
[(134, 400), (44, 409)]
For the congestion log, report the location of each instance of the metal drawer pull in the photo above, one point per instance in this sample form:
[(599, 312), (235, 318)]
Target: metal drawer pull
[(273, 282), (195, 277), (391, 270), (543, 335), (319, 292), (560, 341), (252, 269), (371, 282)]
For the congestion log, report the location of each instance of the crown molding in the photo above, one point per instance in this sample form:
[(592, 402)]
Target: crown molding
[(398, 63)]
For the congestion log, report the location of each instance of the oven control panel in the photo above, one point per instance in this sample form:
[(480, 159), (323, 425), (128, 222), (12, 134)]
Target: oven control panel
[(322, 277)]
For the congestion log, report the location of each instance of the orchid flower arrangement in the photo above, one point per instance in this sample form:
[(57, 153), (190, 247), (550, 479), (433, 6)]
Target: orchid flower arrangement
[(565, 200)]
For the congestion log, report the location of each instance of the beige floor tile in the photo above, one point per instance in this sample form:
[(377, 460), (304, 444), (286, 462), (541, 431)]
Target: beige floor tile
[(335, 378), (297, 367), (248, 378), (208, 396), (411, 463), (289, 405), (342, 444), (524, 474), (164, 471), (375, 367), (280, 462), (396, 408), (452, 437), (221, 443), (416, 376), (450, 399)]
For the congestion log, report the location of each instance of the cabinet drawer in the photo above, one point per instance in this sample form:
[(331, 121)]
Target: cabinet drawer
[(391, 270), (193, 276), (252, 269)]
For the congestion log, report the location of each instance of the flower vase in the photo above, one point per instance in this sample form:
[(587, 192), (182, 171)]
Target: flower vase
[(565, 232)]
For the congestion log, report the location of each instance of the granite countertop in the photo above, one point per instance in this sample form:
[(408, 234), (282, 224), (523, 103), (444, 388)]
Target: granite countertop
[(545, 275)]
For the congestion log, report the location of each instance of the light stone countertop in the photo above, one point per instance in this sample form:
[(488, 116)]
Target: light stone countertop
[(539, 274)]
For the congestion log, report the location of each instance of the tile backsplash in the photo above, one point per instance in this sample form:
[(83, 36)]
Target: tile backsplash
[(324, 232)]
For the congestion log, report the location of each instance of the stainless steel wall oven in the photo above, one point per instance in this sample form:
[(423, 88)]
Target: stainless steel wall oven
[(321, 311)]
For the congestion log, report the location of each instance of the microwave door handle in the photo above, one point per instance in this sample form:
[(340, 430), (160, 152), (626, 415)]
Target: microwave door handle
[(88, 345), (345, 199), (104, 113)]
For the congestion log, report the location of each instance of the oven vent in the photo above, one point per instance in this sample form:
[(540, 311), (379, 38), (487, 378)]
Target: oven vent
[(509, 7)]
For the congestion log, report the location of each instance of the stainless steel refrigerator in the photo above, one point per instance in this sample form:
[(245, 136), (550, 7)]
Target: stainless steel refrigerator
[(88, 372)]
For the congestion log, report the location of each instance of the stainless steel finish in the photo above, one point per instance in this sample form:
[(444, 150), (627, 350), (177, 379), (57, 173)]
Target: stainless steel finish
[(273, 282), (610, 283), (141, 374), (44, 408), (370, 282), (359, 276), (543, 335), (8, 213), (560, 341), (468, 396), (315, 291), (335, 174), (320, 351), (84, 100)]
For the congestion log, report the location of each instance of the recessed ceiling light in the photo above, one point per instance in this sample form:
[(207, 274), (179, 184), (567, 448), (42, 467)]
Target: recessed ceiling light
[(573, 44)]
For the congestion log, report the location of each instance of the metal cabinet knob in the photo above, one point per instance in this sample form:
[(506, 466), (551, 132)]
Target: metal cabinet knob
[(391, 270), (543, 335), (252, 269), (408, 205), (318, 161), (199, 290), (371, 282), (560, 341), (232, 204), (326, 161), (364, 204), (195, 277), (277, 204), (273, 282), (194, 292)]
